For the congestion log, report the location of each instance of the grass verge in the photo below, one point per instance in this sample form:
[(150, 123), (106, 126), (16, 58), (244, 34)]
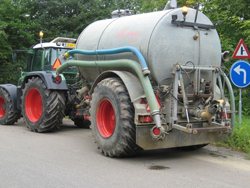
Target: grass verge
[(240, 140)]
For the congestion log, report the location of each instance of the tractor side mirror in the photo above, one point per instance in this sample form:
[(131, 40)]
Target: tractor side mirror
[(14, 57), (20, 70)]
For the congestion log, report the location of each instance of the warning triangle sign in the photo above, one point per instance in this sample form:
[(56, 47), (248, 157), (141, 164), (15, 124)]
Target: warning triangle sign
[(241, 51), (57, 63)]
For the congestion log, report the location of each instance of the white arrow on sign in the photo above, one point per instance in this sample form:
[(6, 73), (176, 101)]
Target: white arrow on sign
[(238, 70)]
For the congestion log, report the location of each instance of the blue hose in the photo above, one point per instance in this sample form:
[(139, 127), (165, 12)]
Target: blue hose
[(136, 52)]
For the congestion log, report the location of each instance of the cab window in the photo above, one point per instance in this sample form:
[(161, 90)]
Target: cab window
[(37, 60)]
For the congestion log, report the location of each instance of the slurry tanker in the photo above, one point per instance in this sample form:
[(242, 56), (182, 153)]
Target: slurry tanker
[(148, 81)]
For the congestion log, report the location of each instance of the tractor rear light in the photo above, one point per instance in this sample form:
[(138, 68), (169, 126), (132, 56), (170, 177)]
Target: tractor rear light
[(146, 119), (57, 79)]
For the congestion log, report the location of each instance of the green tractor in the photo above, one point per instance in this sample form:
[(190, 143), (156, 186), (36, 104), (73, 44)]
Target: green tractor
[(38, 97)]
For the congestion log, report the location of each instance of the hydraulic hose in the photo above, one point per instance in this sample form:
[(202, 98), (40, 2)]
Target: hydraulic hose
[(117, 65), (232, 99), (134, 50)]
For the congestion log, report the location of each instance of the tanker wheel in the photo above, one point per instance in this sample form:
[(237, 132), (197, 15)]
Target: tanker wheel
[(43, 109), (112, 119), (81, 123), (7, 114), (192, 148)]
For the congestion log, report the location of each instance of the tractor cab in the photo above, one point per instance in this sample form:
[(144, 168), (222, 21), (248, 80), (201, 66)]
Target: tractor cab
[(48, 56)]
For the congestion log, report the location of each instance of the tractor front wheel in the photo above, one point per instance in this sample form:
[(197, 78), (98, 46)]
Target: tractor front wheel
[(43, 109)]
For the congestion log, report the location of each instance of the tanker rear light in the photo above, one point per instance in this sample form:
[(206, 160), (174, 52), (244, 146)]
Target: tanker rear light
[(145, 119), (228, 115)]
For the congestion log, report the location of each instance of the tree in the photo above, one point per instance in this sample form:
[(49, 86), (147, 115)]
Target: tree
[(16, 32)]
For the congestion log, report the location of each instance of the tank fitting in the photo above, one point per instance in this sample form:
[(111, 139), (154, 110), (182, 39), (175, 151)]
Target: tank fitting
[(157, 133), (207, 113)]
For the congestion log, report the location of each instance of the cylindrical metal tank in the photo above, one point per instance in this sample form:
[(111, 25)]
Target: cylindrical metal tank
[(161, 42)]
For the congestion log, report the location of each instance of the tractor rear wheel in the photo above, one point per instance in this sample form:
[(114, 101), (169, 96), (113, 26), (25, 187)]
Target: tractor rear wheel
[(43, 109), (7, 114), (112, 119)]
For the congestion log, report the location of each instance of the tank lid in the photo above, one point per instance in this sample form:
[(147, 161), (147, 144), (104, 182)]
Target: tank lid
[(121, 12), (171, 4)]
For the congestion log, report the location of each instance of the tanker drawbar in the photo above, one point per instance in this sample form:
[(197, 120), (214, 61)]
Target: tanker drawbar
[(154, 81)]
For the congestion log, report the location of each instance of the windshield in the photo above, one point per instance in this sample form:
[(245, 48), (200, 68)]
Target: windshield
[(52, 58)]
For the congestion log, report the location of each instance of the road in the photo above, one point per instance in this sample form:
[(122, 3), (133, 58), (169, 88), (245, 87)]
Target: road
[(70, 158)]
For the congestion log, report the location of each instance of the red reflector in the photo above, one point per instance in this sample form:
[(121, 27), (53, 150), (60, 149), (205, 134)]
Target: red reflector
[(156, 131), (56, 64)]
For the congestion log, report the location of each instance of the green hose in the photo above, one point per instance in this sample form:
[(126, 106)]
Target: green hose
[(118, 65), (232, 99)]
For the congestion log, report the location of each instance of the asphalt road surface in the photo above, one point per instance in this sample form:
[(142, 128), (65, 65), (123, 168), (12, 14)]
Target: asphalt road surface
[(70, 158)]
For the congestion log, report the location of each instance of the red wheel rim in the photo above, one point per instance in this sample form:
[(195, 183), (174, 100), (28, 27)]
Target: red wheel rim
[(33, 105), (2, 107), (105, 118)]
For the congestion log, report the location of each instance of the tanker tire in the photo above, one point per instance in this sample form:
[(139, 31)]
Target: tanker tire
[(43, 109), (7, 115), (111, 105), (192, 148), (81, 123)]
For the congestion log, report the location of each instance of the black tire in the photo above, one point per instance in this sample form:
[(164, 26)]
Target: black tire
[(7, 114), (112, 119), (43, 109), (193, 148), (81, 123)]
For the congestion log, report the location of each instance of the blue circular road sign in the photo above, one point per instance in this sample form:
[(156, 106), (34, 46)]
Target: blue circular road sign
[(240, 73)]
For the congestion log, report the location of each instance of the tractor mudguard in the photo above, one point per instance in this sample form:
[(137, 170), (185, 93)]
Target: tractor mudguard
[(12, 90), (131, 82), (48, 80)]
